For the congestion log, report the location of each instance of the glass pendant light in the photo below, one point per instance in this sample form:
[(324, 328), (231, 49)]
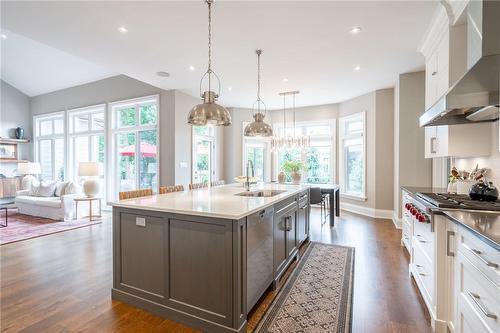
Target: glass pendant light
[(209, 112), (258, 127)]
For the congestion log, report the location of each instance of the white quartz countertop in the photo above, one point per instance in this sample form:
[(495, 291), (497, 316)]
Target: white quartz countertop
[(219, 201)]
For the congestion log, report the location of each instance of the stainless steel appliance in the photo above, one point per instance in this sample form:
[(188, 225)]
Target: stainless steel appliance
[(259, 254), (458, 201), (474, 97)]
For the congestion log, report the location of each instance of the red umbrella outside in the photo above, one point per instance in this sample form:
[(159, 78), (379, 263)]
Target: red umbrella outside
[(146, 150)]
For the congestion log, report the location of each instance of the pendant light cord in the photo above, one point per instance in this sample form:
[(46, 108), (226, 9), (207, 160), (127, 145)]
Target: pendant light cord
[(294, 131), (209, 71), (259, 52), (284, 116)]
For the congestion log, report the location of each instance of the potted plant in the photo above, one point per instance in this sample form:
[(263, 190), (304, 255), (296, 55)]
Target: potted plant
[(292, 169)]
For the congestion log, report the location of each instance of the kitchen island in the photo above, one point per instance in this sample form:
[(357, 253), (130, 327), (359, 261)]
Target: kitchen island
[(204, 257)]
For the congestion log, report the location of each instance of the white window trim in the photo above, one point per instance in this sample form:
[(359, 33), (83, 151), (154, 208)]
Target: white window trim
[(113, 130), (213, 140), (350, 195), (38, 137), (72, 134), (332, 122)]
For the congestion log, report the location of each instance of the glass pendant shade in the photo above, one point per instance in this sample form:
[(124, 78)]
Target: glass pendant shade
[(209, 112)]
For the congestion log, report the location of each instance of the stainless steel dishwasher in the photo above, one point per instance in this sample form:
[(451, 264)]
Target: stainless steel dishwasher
[(259, 254)]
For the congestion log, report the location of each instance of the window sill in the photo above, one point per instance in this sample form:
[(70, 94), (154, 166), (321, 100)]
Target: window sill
[(353, 196)]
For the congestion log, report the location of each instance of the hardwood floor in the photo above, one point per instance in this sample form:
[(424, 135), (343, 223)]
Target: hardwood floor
[(62, 282)]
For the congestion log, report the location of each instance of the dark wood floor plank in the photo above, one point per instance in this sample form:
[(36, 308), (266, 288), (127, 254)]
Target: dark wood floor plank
[(62, 282)]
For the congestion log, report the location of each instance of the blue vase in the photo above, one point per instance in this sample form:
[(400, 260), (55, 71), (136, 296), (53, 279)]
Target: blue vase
[(19, 133)]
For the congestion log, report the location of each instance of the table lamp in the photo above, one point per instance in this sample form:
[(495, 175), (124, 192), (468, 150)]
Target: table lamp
[(90, 170), (28, 169)]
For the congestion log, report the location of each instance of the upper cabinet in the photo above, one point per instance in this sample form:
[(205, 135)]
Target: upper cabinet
[(437, 72)]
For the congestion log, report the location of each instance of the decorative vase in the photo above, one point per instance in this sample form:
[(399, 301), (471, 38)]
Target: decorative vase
[(452, 187), (281, 177), (19, 133), (296, 177)]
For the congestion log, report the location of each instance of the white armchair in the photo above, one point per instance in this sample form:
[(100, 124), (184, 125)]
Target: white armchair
[(55, 207)]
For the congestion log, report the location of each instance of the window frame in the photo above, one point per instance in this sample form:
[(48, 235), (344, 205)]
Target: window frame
[(343, 159), (331, 138), (212, 138), (37, 138), (256, 142), (113, 130)]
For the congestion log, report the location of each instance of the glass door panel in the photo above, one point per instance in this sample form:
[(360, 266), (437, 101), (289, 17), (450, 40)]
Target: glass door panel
[(256, 155), (202, 160), (148, 160), (127, 175), (59, 159)]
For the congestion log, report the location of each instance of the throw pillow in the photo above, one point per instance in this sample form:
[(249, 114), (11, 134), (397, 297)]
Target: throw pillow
[(60, 188), (71, 188), (34, 188), (46, 189)]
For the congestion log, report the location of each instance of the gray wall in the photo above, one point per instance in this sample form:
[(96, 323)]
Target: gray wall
[(384, 149), (14, 112), (411, 168)]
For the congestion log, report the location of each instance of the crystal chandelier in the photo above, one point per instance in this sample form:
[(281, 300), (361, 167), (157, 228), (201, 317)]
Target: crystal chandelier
[(285, 140)]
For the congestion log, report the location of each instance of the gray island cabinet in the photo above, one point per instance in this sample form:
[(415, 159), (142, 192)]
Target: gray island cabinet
[(204, 257)]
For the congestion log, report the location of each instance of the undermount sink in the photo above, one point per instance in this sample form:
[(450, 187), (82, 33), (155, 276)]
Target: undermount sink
[(262, 193)]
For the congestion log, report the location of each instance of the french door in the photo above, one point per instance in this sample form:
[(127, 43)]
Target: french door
[(203, 159)]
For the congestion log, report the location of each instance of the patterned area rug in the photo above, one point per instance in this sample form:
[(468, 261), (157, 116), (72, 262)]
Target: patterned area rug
[(317, 298), (21, 227)]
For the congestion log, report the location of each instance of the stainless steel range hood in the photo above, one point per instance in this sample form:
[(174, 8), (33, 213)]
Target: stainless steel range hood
[(474, 97)]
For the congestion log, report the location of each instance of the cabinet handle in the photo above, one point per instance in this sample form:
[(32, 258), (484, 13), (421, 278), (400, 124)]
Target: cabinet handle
[(288, 227), (478, 253), (477, 300), (434, 73), (449, 233), (420, 240), (420, 273), (433, 145), (304, 207)]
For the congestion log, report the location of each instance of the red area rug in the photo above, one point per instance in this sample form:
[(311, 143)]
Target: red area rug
[(21, 227)]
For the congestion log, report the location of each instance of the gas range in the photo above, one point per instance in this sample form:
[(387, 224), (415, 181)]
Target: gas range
[(458, 201)]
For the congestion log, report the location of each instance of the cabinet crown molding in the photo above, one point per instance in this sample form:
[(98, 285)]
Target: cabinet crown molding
[(435, 32)]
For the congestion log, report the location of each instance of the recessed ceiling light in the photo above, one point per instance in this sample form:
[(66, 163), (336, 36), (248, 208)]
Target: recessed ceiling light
[(285, 80), (355, 30), (357, 68), (163, 74), (122, 29), (229, 88), (4, 36), (191, 68)]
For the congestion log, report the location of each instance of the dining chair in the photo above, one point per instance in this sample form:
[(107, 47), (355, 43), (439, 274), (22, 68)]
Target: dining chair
[(316, 197), (195, 186), (171, 188), (135, 194), (218, 183)]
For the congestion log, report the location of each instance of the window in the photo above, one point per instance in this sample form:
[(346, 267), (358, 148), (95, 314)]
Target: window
[(86, 140), (50, 145), (319, 158), (352, 136), (135, 144), (203, 150)]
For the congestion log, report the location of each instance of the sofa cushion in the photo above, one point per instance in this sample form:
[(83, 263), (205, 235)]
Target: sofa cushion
[(71, 188), (43, 189), (60, 187), (54, 202)]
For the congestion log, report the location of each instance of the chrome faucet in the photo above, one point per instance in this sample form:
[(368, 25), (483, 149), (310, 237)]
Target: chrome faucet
[(247, 184)]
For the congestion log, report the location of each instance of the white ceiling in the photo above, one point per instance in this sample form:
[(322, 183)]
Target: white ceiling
[(35, 68), (307, 42)]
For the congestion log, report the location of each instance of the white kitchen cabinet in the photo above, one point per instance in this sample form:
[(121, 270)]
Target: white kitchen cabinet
[(467, 140), (437, 72)]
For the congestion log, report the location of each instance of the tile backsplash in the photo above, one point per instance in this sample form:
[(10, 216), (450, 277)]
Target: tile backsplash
[(491, 162)]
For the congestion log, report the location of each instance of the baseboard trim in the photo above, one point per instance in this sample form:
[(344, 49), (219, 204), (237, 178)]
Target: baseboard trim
[(366, 211), (397, 221)]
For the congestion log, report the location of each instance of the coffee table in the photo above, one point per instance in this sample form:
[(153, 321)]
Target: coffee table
[(5, 204)]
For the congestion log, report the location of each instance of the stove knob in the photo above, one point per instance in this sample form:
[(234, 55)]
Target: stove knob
[(418, 216), (407, 206), (422, 218), (413, 211)]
